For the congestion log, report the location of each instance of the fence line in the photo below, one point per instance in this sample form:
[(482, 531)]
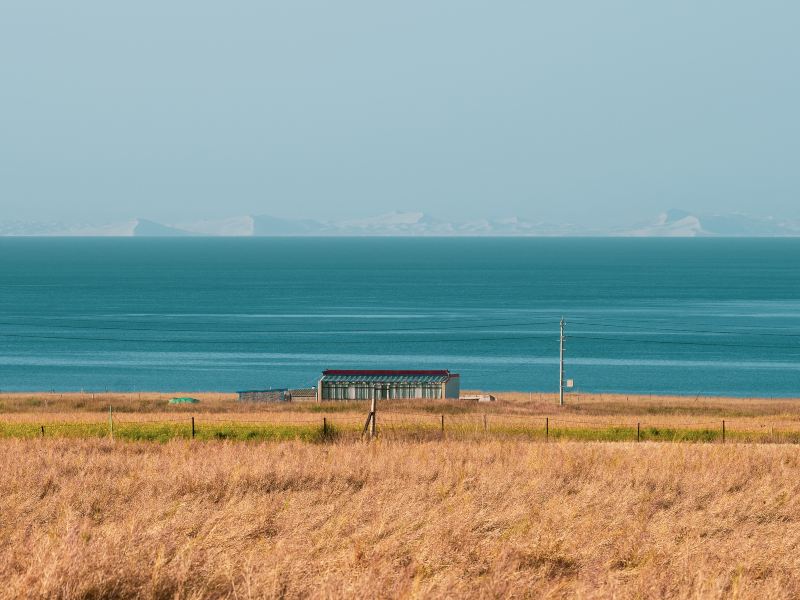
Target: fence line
[(430, 425)]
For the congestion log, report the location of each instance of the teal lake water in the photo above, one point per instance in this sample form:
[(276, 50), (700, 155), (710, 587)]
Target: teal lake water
[(688, 316)]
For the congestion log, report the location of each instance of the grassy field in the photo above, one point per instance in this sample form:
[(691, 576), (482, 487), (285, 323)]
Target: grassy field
[(403, 426), (103, 519), (524, 403), (148, 416), (518, 498)]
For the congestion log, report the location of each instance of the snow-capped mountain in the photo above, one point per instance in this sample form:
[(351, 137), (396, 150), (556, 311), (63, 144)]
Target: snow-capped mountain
[(231, 227), (680, 223), (672, 223), (134, 227), (147, 228), (389, 224)]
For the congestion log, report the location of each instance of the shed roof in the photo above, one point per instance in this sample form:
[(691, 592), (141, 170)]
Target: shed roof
[(387, 372)]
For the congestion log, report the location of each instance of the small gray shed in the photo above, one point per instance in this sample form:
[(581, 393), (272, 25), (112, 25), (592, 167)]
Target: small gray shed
[(270, 395)]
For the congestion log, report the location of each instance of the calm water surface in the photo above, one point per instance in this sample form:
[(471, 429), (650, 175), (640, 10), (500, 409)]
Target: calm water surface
[(655, 316)]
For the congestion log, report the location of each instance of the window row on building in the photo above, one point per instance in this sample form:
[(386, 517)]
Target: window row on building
[(344, 391), (340, 384)]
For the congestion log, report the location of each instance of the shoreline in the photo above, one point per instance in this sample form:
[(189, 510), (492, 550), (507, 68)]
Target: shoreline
[(504, 395)]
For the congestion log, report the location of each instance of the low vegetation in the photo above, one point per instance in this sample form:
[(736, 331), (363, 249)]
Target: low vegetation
[(479, 518), (537, 417)]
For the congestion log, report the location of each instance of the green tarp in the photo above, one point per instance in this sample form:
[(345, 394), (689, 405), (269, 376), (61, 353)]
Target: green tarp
[(184, 400)]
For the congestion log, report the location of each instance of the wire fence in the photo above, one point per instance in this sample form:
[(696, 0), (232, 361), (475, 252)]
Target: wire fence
[(412, 426)]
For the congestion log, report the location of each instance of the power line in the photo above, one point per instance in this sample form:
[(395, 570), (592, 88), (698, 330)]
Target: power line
[(611, 320), (422, 329), (680, 343), (282, 331), (382, 331), (693, 331), (262, 342)]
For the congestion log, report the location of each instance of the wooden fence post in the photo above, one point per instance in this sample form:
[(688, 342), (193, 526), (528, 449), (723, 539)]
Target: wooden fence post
[(374, 429), (547, 429), (192, 427), (324, 426), (42, 430), (723, 431), (369, 425)]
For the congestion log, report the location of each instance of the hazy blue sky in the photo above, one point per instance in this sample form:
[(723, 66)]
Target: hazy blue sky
[(563, 111)]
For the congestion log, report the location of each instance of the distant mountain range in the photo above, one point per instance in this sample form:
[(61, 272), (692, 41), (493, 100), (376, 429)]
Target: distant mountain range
[(680, 223), (672, 223)]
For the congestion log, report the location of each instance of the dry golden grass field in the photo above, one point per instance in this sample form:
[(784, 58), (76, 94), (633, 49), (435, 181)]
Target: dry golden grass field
[(471, 512), (484, 519)]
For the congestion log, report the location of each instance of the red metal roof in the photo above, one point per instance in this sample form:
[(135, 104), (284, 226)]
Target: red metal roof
[(439, 372)]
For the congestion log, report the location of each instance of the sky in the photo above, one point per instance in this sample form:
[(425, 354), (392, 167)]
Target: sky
[(583, 112)]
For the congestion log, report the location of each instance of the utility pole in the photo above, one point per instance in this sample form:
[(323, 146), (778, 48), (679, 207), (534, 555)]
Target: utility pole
[(561, 367)]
